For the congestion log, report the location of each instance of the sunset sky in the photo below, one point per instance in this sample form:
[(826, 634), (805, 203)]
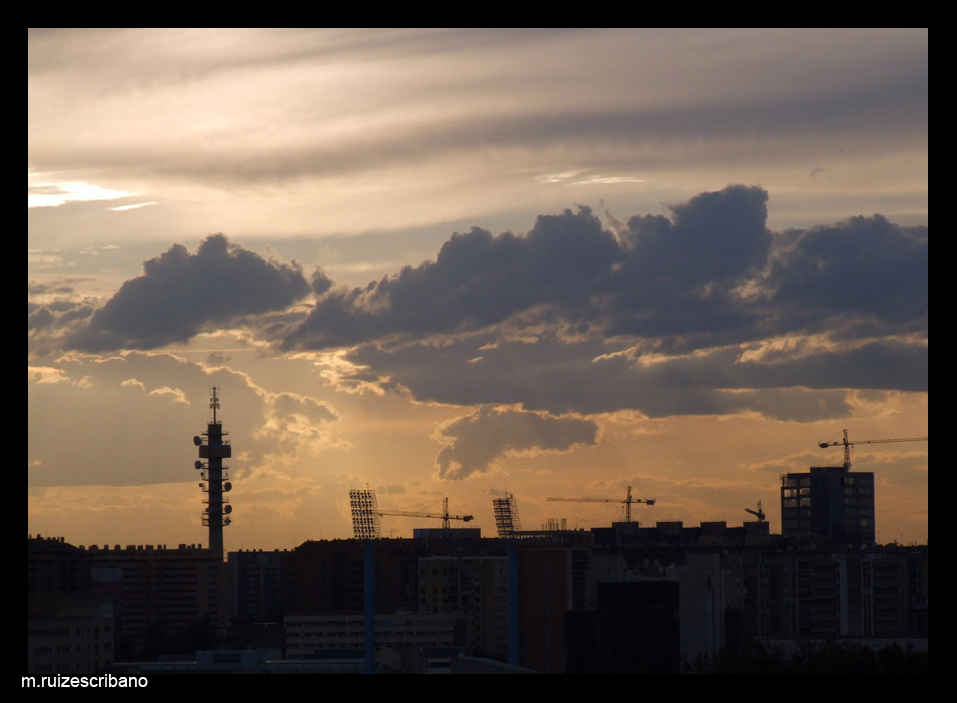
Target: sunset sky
[(442, 262)]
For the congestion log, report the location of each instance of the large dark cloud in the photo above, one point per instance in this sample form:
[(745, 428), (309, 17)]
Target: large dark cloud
[(59, 313), (711, 274), (696, 280), (567, 267), (679, 279), (476, 441), (39, 317), (180, 292), (477, 280), (703, 311), (864, 265), (558, 376), (713, 237)]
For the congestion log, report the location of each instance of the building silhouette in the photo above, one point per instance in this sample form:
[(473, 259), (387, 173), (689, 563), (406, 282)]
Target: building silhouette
[(829, 502), (623, 598)]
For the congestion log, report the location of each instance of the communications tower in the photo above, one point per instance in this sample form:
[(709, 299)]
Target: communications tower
[(213, 477)]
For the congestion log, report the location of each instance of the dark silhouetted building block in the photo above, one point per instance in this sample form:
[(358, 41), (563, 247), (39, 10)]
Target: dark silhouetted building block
[(634, 630)]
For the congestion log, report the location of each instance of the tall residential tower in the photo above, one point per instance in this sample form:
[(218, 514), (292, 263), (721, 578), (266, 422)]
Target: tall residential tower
[(829, 502)]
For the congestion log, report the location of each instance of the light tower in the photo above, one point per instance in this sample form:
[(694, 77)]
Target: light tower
[(213, 477)]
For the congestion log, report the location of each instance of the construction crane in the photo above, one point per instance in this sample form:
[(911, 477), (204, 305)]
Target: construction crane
[(443, 516), (848, 445), (757, 513), (627, 502), (365, 514)]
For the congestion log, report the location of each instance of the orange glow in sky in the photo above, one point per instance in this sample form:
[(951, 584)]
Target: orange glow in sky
[(437, 262)]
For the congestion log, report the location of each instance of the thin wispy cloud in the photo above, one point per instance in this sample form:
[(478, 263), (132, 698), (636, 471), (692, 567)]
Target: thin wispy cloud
[(43, 190), (121, 208)]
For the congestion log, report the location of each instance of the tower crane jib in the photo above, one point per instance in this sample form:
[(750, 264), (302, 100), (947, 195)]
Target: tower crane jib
[(627, 502), (847, 445)]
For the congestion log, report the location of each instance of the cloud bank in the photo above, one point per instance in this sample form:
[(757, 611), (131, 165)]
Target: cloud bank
[(703, 311), (697, 280)]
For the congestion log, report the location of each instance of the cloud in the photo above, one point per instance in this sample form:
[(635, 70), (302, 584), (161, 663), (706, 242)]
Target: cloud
[(294, 420), (712, 274), (179, 293), (133, 383), (217, 358), (43, 190), (39, 318), (59, 286), (178, 395), (395, 489), (655, 278), (864, 265), (702, 312), (558, 376), (46, 374), (295, 404), (123, 208), (477, 280), (49, 309), (713, 237), (156, 77), (474, 442)]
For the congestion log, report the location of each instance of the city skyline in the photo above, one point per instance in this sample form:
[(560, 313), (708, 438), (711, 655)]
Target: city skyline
[(438, 262)]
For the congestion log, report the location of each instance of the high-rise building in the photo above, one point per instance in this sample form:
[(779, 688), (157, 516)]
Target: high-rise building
[(829, 502), (256, 579), (69, 634), (635, 629), (475, 587), (162, 597)]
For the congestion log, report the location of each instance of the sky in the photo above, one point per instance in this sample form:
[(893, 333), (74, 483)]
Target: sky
[(456, 264)]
